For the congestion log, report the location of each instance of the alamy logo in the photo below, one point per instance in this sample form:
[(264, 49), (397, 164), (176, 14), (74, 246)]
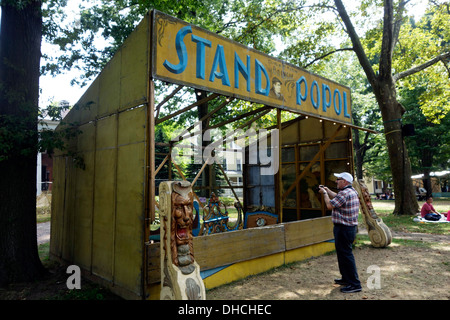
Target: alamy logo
[(374, 281), (262, 147), (74, 281)]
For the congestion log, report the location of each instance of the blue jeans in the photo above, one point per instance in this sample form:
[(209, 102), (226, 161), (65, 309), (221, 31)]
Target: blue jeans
[(344, 236)]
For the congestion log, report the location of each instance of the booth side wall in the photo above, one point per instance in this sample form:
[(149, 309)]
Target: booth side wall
[(98, 208)]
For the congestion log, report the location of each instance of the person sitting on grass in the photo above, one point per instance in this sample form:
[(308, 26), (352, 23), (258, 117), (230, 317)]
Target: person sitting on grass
[(428, 212)]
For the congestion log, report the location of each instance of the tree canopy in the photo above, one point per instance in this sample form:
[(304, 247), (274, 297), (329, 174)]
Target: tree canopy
[(305, 33), (393, 50)]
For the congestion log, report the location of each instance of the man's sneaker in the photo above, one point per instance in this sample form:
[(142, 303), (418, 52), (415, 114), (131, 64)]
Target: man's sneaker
[(340, 282), (351, 289)]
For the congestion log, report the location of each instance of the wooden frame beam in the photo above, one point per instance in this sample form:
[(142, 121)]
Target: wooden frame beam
[(279, 176), (250, 113), (218, 142), (207, 116), (208, 98), (314, 160), (162, 164), (151, 153), (174, 92)]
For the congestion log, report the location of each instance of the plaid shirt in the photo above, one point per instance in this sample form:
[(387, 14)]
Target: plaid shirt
[(345, 207)]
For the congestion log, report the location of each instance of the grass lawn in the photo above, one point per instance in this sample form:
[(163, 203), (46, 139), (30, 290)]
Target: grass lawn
[(384, 209), (43, 214)]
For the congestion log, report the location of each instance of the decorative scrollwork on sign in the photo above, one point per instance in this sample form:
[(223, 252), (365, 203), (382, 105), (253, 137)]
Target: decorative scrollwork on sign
[(162, 23), (216, 219)]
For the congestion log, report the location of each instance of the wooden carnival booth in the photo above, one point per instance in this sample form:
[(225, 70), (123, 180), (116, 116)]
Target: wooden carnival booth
[(105, 184)]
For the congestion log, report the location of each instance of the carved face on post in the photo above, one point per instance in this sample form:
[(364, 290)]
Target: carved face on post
[(181, 228)]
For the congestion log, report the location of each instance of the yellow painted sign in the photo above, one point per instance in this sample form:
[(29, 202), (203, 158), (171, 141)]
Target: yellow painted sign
[(188, 55)]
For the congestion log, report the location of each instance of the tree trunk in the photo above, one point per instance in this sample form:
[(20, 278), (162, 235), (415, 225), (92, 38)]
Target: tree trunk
[(392, 111), (427, 183), (383, 86), (20, 41)]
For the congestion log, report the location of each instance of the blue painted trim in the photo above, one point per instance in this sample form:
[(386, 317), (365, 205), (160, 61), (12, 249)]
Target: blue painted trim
[(247, 214), (207, 273), (196, 229)]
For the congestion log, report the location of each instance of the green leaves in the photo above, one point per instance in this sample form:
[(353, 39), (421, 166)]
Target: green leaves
[(429, 146), (88, 39), (418, 43)]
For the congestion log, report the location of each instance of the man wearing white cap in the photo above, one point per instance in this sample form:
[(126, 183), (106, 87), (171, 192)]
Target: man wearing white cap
[(344, 214)]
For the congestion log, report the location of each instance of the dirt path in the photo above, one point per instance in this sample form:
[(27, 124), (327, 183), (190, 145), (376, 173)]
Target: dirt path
[(406, 273), (43, 232)]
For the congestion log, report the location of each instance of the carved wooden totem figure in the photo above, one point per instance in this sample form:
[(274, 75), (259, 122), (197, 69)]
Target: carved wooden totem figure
[(180, 274), (379, 233)]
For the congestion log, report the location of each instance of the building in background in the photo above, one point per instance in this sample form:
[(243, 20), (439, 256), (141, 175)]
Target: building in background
[(232, 164), (44, 167)]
